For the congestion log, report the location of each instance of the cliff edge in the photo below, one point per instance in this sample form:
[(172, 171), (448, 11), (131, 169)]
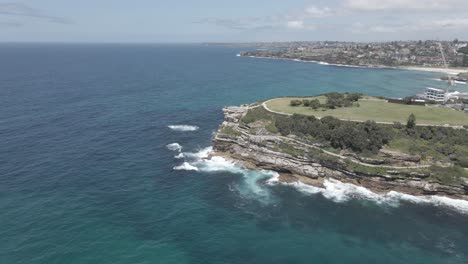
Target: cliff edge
[(257, 145)]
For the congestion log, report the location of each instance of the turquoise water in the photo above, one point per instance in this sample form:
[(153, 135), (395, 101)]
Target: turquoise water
[(86, 177)]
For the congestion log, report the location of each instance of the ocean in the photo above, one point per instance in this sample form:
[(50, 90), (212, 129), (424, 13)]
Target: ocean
[(100, 162)]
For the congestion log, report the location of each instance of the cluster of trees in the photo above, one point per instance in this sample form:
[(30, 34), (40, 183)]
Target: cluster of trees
[(449, 142), (314, 103), (452, 143), (334, 100), (370, 137), (358, 137)]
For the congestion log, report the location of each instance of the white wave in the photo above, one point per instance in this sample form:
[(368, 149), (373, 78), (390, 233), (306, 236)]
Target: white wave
[(342, 192), (440, 80), (305, 188), (201, 154), (354, 66), (183, 127), (460, 205), (238, 55), (251, 186), (179, 156), (218, 164), (174, 147), (274, 179), (204, 161), (186, 166)]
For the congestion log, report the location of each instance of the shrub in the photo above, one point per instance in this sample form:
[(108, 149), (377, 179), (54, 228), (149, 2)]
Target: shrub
[(354, 97), (295, 103), (397, 125), (315, 104)]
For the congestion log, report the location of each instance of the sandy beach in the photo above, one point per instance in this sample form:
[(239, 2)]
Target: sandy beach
[(452, 71)]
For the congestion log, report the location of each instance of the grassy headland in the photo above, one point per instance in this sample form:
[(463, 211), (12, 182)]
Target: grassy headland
[(372, 108)]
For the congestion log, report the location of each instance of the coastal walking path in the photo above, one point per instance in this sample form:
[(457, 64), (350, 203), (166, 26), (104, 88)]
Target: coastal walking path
[(338, 155)]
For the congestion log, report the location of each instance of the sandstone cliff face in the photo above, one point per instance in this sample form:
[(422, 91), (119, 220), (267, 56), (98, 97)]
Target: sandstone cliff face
[(258, 149)]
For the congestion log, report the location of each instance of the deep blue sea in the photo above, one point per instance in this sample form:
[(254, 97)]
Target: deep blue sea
[(86, 175)]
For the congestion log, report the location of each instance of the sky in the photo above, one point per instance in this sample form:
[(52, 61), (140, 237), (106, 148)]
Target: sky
[(173, 21)]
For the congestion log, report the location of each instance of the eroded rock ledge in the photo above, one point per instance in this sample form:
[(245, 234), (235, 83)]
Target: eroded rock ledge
[(256, 148)]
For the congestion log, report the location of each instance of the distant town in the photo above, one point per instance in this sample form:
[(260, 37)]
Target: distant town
[(450, 57), (371, 54)]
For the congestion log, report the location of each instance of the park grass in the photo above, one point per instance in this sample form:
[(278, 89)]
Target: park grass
[(379, 110)]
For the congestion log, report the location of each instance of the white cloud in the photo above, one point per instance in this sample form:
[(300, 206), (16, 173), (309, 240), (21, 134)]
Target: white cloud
[(384, 29), (451, 23), (317, 12), (458, 24), (22, 10), (373, 5), (414, 17), (295, 24)]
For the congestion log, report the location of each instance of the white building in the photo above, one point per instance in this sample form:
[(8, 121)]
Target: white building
[(435, 94)]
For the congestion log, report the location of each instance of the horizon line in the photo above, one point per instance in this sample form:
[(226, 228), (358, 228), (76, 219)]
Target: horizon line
[(220, 42)]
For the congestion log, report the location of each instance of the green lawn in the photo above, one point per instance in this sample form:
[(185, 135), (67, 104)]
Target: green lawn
[(376, 109)]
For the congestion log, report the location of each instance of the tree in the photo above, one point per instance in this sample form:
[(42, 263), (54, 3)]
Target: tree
[(411, 123), (315, 103), (354, 97), (295, 103)]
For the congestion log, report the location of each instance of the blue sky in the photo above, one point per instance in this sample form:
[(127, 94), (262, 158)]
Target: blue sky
[(231, 21)]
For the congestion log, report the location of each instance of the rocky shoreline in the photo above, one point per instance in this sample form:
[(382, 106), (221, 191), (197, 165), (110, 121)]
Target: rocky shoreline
[(258, 150)]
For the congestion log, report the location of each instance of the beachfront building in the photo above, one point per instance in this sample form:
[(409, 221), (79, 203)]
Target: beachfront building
[(435, 94)]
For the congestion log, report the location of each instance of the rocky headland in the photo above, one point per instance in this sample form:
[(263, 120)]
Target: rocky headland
[(296, 159)]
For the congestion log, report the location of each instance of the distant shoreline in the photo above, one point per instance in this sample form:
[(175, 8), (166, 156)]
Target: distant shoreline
[(451, 71)]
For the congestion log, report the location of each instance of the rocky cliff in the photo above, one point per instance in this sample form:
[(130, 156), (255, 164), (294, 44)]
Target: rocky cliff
[(257, 148)]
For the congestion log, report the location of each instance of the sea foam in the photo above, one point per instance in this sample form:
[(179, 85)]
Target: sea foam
[(186, 166), (340, 192), (254, 184), (203, 161), (174, 147), (183, 127)]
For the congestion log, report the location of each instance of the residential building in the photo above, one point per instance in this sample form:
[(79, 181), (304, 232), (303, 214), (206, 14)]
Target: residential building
[(434, 94)]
